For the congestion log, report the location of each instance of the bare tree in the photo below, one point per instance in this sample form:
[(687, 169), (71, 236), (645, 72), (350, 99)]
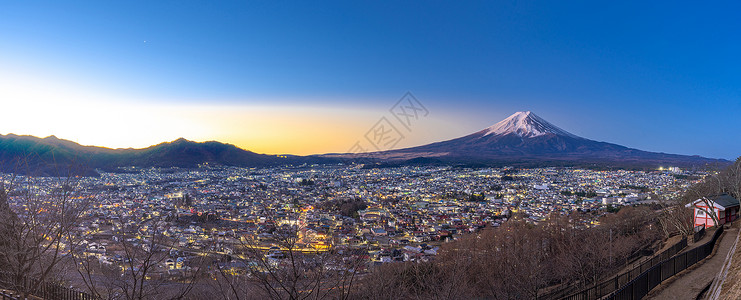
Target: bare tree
[(284, 261), (36, 215), (675, 218), (142, 269), (715, 184)]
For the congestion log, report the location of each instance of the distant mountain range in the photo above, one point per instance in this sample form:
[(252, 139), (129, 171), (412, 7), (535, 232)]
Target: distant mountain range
[(523, 139), (53, 156)]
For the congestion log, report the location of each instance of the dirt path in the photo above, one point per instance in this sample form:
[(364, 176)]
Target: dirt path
[(689, 284), (732, 287)]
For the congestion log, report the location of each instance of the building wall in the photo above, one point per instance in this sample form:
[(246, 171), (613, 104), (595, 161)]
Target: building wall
[(702, 218)]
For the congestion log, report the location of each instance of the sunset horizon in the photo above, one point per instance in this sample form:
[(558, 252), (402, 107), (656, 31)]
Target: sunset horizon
[(239, 73), (370, 150)]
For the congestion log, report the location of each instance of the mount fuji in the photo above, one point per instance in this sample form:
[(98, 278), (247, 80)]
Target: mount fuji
[(525, 124), (525, 139)]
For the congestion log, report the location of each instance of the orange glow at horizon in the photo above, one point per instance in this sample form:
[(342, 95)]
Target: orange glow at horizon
[(285, 130), (89, 116)]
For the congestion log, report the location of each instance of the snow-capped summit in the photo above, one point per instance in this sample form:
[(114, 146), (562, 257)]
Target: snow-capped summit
[(525, 124), (524, 139)]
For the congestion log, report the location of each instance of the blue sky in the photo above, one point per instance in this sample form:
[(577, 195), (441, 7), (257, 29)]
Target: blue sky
[(311, 77)]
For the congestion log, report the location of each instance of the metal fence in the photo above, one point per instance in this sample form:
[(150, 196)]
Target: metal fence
[(45, 290), (612, 284), (699, 233), (640, 286), (6, 295)]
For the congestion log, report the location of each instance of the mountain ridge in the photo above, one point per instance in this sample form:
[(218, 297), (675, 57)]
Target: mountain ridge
[(522, 139), (52, 156), (525, 124), (528, 140)]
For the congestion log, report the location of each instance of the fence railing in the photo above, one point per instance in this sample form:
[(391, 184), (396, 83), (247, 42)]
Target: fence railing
[(5, 295), (45, 290), (640, 286), (610, 285), (699, 233)]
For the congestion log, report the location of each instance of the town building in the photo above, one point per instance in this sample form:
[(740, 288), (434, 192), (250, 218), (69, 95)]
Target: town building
[(724, 207)]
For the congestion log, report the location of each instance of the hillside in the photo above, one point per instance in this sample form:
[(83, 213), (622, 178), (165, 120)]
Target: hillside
[(525, 139), (53, 156)]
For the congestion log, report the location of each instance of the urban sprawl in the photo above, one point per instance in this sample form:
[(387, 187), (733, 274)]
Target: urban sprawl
[(381, 215)]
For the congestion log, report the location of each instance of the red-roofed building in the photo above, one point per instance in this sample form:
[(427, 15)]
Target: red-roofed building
[(724, 207)]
